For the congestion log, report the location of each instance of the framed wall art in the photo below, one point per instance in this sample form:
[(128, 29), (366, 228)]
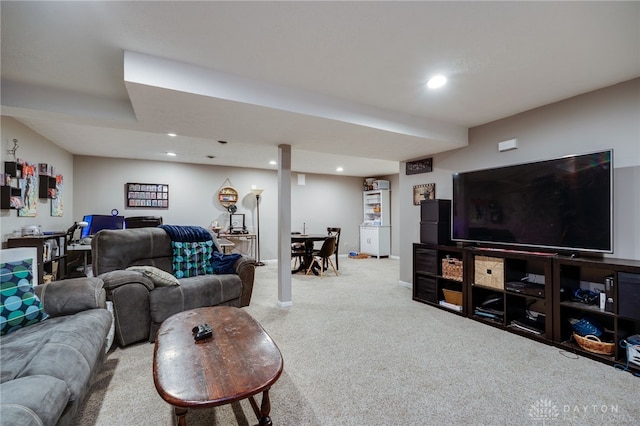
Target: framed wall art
[(423, 192), (147, 195), (419, 166)]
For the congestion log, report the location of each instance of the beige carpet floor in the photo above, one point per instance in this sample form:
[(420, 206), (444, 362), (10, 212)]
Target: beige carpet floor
[(358, 351)]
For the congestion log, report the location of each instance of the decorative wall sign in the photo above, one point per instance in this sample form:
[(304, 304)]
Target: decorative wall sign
[(419, 166), (423, 192), (148, 195)]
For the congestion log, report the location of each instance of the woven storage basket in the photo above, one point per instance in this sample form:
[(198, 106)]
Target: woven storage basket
[(452, 296), (489, 272), (452, 269), (593, 344)]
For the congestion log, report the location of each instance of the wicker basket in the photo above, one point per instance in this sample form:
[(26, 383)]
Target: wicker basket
[(452, 269), (593, 344), (452, 296)]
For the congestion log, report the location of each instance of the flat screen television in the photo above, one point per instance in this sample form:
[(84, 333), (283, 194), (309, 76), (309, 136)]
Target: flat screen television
[(564, 204), (98, 222)]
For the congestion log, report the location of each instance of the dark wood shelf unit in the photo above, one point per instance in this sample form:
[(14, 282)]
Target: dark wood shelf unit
[(14, 170), (559, 275), (48, 259), (45, 183), (6, 192), (515, 306), (428, 279), (589, 274)]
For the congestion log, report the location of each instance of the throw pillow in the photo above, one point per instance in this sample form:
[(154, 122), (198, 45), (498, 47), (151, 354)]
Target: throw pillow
[(19, 304), (159, 277), (192, 258)]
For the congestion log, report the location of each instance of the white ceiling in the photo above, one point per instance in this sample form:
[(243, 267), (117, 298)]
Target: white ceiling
[(341, 82)]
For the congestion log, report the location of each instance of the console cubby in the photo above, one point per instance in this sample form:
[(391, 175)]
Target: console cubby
[(530, 293), (619, 319), (429, 280), (523, 280)]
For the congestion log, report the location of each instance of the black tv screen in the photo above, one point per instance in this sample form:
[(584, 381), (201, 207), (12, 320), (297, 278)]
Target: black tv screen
[(564, 203)]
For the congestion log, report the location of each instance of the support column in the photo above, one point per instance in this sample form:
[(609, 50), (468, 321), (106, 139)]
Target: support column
[(284, 226)]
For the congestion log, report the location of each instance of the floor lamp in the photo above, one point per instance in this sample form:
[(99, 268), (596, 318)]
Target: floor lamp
[(257, 192)]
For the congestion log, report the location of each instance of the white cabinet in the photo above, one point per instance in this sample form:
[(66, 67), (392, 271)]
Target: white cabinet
[(375, 232), (375, 240), (376, 207)]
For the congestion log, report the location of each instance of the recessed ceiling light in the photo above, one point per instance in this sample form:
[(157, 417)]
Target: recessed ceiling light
[(211, 156), (173, 135), (436, 81), (171, 154), (222, 142), (273, 163), (339, 169)]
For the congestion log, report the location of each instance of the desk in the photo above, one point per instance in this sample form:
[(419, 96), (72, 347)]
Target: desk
[(225, 244), (85, 249), (308, 240), (250, 238)]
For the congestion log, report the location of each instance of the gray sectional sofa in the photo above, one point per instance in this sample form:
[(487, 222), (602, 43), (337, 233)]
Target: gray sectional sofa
[(46, 368), (141, 303)]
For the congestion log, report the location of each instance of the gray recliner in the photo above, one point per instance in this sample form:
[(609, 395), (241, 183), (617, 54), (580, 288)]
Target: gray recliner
[(140, 306)]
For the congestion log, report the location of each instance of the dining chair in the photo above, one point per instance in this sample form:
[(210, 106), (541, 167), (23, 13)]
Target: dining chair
[(298, 250), (335, 232), (324, 254)]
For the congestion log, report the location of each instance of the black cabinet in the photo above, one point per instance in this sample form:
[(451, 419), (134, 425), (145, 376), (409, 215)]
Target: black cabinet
[(512, 290), (577, 282), (537, 295), (438, 276)]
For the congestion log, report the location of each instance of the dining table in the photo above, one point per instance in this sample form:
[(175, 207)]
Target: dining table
[(307, 259)]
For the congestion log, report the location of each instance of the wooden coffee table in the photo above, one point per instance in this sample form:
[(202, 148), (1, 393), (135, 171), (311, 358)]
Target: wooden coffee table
[(238, 362)]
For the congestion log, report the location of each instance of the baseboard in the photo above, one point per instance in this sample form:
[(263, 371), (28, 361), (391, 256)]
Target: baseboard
[(405, 284), (285, 304)]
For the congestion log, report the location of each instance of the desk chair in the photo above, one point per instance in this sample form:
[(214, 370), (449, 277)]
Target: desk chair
[(324, 254), (335, 232)]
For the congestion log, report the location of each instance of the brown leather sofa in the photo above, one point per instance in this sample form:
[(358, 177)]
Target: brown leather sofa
[(140, 306)]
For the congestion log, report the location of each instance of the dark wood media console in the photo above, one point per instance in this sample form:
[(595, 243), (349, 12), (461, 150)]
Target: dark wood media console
[(531, 293)]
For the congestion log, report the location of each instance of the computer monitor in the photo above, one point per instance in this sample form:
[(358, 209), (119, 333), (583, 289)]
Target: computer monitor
[(98, 222)]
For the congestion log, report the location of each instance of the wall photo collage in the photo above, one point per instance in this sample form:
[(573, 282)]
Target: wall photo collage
[(147, 195)]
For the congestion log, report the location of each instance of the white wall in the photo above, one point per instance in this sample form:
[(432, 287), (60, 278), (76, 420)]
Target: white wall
[(96, 185), (606, 118), (33, 148), (323, 201)]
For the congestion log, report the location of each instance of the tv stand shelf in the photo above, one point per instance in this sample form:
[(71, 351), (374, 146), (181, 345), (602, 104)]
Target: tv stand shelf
[(543, 307)]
